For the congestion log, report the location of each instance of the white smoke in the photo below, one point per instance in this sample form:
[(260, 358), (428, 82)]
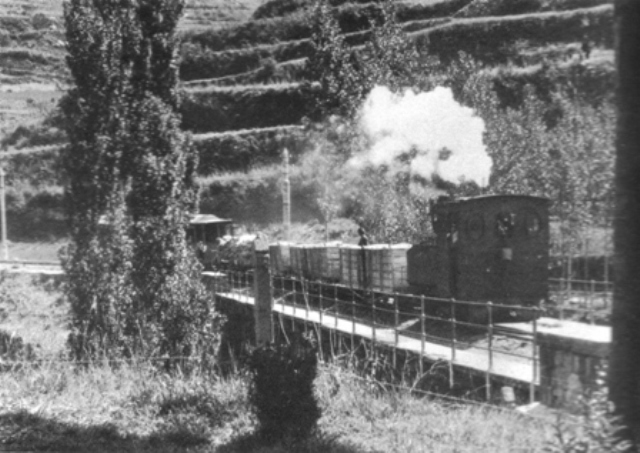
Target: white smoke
[(438, 135)]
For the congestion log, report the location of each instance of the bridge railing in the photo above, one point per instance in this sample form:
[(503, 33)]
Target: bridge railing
[(471, 335), (581, 300)]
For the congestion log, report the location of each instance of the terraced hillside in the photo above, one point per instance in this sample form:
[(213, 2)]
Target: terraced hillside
[(242, 61), (252, 74)]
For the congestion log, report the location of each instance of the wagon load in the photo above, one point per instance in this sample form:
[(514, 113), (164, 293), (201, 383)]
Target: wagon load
[(280, 258), (387, 266), (299, 262), (380, 267), (323, 261)]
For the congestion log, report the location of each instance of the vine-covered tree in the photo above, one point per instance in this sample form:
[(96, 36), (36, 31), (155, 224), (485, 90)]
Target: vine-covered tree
[(133, 283)]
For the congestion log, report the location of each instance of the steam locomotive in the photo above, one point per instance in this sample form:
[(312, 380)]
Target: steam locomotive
[(488, 248)]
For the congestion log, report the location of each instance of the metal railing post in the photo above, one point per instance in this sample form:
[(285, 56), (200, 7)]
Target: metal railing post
[(353, 320), (453, 341), (534, 357), (373, 319), (395, 330), (592, 290), (320, 317), (490, 349), (422, 334)]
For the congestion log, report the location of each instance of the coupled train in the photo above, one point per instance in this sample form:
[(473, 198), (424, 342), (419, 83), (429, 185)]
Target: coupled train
[(486, 248)]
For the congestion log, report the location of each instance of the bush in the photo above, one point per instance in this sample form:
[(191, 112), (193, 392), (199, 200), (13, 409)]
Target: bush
[(278, 8), (253, 32), (25, 56), (13, 24), (240, 151), (416, 11), (37, 167), (598, 429), (256, 197), (199, 62), (35, 135), (491, 40), (481, 8), (35, 213), (351, 17), (217, 109), (282, 391)]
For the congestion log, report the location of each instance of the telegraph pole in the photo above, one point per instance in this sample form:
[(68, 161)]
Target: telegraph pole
[(3, 217), (286, 196)]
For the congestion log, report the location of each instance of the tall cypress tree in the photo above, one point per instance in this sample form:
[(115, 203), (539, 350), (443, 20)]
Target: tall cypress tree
[(133, 285)]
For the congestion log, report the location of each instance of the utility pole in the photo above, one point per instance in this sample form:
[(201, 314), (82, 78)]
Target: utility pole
[(286, 196), (3, 217)]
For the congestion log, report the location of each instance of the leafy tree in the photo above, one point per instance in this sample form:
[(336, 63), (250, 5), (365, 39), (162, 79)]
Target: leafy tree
[(346, 75), (336, 67), (390, 58), (570, 162), (133, 284)]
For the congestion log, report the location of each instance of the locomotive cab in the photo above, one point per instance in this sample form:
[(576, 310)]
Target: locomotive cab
[(488, 248)]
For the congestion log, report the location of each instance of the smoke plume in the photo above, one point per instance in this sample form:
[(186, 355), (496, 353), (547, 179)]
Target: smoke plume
[(431, 131)]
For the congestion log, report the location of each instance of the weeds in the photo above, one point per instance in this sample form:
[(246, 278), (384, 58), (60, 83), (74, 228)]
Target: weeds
[(596, 430)]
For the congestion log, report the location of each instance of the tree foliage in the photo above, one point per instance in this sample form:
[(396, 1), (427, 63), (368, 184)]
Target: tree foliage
[(334, 65), (567, 157), (133, 283), (346, 74)]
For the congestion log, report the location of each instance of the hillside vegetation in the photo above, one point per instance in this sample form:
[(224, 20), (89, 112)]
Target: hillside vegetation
[(246, 92)]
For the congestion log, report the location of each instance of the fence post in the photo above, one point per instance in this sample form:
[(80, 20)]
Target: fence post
[(262, 309)]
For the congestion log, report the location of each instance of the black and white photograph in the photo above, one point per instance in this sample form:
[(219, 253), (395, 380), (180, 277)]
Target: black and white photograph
[(348, 226)]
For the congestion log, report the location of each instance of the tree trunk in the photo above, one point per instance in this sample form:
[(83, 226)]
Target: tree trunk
[(624, 369)]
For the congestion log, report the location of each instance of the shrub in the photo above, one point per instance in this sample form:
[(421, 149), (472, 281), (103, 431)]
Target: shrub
[(14, 24), (199, 62), (28, 56), (256, 197), (34, 135), (597, 430), (417, 11), (216, 109), (282, 391), (276, 8), (36, 167), (479, 8), (351, 17), (491, 39), (36, 214), (253, 32), (242, 150)]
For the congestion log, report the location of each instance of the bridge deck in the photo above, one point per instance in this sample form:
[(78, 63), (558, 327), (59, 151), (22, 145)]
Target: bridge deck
[(476, 359)]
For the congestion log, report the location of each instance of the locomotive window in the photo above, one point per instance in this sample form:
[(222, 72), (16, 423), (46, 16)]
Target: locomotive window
[(505, 224), (533, 224), (475, 226)]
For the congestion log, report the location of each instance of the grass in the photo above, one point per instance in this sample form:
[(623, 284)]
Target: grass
[(135, 408), (51, 404), (31, 308)]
